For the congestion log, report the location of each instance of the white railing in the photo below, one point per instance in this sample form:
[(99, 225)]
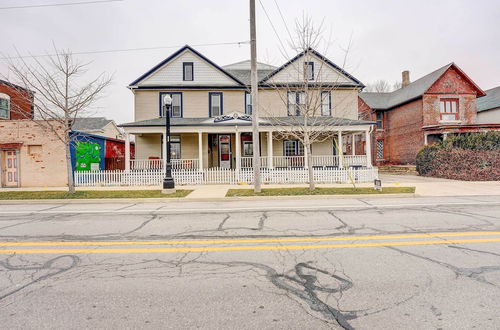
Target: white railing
[(247, 162), (300, 161), (155, 177), (145, 164)]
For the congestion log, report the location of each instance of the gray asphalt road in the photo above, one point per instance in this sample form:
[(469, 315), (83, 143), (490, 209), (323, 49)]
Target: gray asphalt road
[(373, 263)]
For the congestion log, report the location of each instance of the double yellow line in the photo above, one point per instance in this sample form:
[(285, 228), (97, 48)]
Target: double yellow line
[(97, 246)]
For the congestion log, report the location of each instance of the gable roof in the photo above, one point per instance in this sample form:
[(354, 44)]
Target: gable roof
[(90, 123), (490, 101), (241, 70), (246, 64), (411, 92), (173, 56), (321, 57)]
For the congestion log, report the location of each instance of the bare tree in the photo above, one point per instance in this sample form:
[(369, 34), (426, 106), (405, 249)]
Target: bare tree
[(59, 94), (382, 86), (304, 94)]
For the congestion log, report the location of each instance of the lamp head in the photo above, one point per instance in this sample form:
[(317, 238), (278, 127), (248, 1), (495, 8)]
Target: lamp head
[(167, 100)]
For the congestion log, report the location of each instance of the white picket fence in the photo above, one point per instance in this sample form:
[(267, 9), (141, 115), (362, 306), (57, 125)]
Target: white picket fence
[(154, 177)]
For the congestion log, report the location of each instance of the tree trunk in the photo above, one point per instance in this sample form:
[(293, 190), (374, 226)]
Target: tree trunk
[(69, 166), (308, 156), (312, 184)]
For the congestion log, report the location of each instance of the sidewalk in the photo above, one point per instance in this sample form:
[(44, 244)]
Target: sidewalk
[(424, 187)]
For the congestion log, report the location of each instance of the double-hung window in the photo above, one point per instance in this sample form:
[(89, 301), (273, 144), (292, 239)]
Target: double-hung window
[(248, 103), (380, 149), (4, 106), (188, 71), (293, 148), (448, 109), (215, 106), (176, 108), (296, 101), (326, 103), (380, 120), (309, 70)]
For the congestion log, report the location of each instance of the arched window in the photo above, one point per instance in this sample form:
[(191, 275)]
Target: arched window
[(4, 106)]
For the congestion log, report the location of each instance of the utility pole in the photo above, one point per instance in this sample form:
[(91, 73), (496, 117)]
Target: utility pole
[(255, 102)]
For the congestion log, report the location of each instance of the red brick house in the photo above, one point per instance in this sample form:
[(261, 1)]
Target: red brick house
[(15, 102), (422, 112)]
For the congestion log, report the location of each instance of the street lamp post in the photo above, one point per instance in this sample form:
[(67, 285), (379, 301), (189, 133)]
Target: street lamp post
[(168, 182)]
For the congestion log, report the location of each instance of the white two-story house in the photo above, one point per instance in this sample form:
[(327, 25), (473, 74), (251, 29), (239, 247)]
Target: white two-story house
[(210, 114)]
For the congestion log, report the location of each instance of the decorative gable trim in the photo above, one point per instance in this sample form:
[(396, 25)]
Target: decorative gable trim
[(173, 56), (321, 57)]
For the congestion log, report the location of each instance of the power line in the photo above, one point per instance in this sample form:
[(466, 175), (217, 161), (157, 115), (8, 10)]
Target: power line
[(126, 50), (283, 19), (274, 29), (60, 4)]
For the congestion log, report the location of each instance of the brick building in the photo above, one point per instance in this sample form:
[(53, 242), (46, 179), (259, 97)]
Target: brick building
[(422, 112), (15, 102)]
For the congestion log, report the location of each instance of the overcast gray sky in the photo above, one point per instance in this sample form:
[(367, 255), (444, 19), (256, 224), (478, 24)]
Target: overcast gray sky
[(387, 36)]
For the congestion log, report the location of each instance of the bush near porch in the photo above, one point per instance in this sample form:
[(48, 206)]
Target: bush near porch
[(469, 157)]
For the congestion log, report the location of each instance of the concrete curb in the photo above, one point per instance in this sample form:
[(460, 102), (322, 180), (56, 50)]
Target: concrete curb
[(167, 200)]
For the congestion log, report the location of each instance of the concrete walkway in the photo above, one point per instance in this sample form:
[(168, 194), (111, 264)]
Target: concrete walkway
[(424, 187)]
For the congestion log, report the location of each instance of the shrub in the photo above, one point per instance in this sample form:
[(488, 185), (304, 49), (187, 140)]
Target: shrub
[(473, 156)]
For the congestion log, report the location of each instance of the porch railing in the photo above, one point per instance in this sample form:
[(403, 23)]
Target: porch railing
[(181, 164), (300, 161)]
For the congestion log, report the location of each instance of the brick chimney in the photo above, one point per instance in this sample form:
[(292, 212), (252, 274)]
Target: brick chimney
[(405, 81)]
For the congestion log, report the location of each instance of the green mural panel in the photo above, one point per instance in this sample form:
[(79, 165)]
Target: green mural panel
[(88, 156)]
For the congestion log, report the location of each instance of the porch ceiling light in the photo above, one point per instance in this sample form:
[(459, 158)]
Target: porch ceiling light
[(167, 100)]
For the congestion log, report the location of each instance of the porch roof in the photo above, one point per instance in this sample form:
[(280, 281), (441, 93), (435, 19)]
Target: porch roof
[(264, 121)]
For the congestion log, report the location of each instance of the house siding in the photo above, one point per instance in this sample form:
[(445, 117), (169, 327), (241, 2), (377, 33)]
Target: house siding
[(147, 145), (195, 103), (172, 73), (323, 73), (491, 116)]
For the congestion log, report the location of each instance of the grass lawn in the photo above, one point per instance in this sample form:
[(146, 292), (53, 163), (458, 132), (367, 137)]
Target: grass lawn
[(318, 191), (92, 194)]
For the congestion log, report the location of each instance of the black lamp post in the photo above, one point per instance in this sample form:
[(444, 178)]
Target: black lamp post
[(168, 182)]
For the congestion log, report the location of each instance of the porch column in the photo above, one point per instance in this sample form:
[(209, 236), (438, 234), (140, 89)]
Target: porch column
[(368, 147), (425, 139), (353, 146), (200, 151), (270, 149), (127, 152), (340, 151), (238, 149), (164, 150)]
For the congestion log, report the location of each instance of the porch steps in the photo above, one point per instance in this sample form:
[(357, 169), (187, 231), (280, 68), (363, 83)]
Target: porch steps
[(398, 169)]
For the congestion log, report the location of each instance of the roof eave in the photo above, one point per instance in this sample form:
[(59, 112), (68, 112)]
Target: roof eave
[(174, 55)]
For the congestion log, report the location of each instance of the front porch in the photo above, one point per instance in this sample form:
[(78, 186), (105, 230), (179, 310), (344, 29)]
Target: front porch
[(204, 150)]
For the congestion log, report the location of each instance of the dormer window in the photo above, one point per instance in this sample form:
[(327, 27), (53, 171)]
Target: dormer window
[(309, 70), (187, 73), (448, 109), (4, 106)]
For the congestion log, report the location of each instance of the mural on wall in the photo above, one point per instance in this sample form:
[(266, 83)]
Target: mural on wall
[(87, 156)]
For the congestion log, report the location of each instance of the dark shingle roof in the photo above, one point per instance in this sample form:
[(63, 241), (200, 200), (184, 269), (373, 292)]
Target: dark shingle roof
[(265, 121), (405, 94), (241, 70), (490, 101), (90, 124), (245, 77)]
